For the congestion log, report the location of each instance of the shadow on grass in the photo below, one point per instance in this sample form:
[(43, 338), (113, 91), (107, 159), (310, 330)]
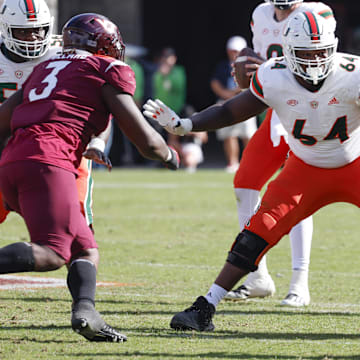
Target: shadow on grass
[(209, 355), (217, 334)]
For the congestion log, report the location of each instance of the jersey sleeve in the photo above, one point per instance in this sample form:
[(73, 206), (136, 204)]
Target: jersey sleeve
[(120, 76), (254, 26), (256, 86)]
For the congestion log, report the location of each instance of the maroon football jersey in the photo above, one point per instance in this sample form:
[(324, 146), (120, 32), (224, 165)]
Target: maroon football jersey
[(63, 107)]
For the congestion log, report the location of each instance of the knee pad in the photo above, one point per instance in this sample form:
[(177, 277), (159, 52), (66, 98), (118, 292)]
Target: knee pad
[(246, 249)]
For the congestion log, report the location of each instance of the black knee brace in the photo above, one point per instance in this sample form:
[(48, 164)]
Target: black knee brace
[(246, 249), (17, 257)]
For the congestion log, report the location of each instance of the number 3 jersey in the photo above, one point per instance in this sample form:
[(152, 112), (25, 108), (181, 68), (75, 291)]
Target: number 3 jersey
[(324, 126), (63, 107)]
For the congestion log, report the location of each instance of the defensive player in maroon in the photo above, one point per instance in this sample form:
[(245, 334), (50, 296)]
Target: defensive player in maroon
[(65, 101)]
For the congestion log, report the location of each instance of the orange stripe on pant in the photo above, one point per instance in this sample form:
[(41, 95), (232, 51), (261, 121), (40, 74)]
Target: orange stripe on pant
[(260, 159), (3, 211), (82, 183), (299, 191)]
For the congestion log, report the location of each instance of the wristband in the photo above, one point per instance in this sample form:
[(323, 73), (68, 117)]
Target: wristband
[(97, 144), (187, 125)]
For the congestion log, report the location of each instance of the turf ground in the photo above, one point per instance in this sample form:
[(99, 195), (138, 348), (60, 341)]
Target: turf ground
[(164, 236)]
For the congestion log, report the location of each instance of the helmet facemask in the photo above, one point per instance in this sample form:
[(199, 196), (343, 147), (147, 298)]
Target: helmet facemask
[(284, 4), (305, 33), (28, 49)]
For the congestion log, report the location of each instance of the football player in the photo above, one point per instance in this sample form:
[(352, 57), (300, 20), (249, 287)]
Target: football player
[(266, 153), (62, 104), (26, 40), (315, 92)]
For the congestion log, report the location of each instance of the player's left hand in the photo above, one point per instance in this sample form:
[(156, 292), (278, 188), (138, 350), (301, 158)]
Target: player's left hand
[(98, 156)]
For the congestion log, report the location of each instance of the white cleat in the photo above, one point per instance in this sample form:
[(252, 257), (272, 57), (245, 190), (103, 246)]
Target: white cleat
[(295, 300), (260, 287)]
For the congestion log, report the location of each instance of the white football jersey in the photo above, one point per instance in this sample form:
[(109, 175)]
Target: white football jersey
[(267, 42), (324, 126), (267, 32), (13, 75)]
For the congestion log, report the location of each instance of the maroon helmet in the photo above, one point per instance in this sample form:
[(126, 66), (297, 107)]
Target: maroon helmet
[(94, 33)]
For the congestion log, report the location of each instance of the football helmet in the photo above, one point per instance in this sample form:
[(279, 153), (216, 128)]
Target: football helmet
[(309, 31), (94, 33), (26, 14), (284, 4)]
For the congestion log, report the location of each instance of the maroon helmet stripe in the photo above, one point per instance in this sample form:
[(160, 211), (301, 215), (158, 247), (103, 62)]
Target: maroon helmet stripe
[(314, 27), (30, 9)]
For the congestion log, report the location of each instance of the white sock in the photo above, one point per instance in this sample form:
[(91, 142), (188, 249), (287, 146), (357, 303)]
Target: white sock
[(299, 283), (247, 201), (215, 294), (300, 238)]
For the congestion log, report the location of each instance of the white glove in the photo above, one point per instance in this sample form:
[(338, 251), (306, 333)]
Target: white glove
[(166, 117)]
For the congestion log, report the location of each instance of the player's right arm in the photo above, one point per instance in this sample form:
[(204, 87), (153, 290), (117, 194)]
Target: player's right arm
[(6, 110), (130, 120)]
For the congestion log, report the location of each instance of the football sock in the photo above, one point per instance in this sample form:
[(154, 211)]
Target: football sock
[(17, 257), (299, 283), (81, 281), (215, 294), (247, 201), (300, 238)]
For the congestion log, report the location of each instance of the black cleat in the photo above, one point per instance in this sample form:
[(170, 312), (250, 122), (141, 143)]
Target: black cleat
[(197, 317), (86, 321)]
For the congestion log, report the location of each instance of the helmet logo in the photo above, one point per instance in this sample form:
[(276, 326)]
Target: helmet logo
[(106, 24)]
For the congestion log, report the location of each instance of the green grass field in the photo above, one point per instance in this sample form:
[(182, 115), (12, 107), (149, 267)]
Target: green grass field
[(165, 235)]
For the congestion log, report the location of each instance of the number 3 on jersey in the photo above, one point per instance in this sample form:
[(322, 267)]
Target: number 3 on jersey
[(51, 80)]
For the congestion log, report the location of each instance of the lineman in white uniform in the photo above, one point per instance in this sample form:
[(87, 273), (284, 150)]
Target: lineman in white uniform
[(315, 92), (270, 143)]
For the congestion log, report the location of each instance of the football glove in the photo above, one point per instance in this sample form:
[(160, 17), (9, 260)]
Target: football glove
[(98, 156), (166, 117), (173, 161)]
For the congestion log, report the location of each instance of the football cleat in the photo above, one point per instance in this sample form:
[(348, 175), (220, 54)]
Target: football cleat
[(197, 317), (86, 321), (257, 287), (241, 293), (295, 300)]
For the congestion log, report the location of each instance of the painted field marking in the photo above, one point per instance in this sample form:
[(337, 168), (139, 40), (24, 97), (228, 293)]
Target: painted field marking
[(13, 282)]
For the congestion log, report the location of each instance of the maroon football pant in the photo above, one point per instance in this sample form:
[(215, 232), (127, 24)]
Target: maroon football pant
[(47, 198)]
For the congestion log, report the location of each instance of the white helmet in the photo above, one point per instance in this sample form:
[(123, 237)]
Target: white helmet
[(284, 4), (25, 14), (309, 31)]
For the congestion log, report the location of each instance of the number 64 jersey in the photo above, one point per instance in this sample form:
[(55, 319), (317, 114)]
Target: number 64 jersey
[(324, 126)]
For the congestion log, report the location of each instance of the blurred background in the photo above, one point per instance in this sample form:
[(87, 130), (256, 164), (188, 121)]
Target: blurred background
[(197, 31)]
